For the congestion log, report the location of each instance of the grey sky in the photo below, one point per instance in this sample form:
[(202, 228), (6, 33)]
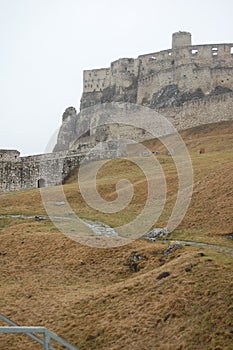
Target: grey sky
[(46, 44)]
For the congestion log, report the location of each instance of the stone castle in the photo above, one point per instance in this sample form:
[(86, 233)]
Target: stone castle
[(189, 84), (163, 79)]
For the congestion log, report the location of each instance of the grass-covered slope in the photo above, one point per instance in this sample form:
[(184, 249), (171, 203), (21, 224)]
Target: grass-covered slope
[(91, 296)]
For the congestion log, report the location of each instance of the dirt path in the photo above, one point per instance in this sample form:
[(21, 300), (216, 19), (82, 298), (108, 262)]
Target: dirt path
[(99, 228), (223, 249)]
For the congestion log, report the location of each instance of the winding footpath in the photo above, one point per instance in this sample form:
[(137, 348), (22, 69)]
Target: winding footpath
[(100, 228)]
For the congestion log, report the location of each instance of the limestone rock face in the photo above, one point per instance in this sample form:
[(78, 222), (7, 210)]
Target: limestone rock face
[(67, 130), (170, 96), (95, 124), (111, 94)]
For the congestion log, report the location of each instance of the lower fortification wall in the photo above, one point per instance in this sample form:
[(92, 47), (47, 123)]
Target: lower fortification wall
[(36, 171), (18, 173), (51, 169), (208, 110)]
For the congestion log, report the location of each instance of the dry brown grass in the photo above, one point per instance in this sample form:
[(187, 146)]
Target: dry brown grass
[(92, 298)]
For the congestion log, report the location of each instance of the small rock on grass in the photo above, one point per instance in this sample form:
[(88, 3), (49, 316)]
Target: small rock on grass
[(172, 247), (163, 275), (199, 254), (188, 268)]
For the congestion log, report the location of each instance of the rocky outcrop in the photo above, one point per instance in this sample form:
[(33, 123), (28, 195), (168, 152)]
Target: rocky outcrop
[(67, 131), (181, 83), (83, 129), (220, 90), (110, 94), (172, 96)]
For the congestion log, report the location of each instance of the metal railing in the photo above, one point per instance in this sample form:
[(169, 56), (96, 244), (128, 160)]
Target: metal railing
[(47, 335)]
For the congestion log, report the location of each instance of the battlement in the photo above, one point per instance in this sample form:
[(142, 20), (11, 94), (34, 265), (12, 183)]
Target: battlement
[(9, 155), (124, 72)]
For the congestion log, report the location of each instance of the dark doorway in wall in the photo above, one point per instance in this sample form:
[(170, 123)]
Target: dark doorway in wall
[(41, 183)]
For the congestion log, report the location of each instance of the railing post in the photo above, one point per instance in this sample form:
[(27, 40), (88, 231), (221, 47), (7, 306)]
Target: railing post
[(46, 340), (30, 332)]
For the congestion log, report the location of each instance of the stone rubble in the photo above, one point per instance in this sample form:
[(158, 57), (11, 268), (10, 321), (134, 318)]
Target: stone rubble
[(156, 233)]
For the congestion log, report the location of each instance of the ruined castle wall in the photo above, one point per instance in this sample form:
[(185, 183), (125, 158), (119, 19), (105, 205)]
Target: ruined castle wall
[(9, 155), (189, 67), (201, 67), (123, 72), (96, 79), (50, 169), (17, 175), (187, 78), (212, 109), (155, 62), (222, 77), (189, 84), (26, 172), (202, 55)]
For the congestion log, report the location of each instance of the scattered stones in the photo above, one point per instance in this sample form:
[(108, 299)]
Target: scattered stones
[(162, 261), (60, 203), (170, 152), (39, 218), (163, 275), (135, 256), (100, 228), (199, 255), (156, 233), (134, 267), (134, 261), (188, 268), (166, 317), (172, 247)]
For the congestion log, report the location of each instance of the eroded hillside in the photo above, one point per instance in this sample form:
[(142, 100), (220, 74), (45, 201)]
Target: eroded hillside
[(96, 298)]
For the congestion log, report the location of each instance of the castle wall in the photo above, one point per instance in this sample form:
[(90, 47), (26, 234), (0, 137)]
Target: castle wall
[(202, 67), (212, 109), (123, 72), (9, 155), (33, 171), (211, 56), (51, 169), (187, 78), (189, 84), (96, 79)]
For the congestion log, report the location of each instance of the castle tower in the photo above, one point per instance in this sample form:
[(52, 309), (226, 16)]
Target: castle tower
[(9, 155), (180, 39)]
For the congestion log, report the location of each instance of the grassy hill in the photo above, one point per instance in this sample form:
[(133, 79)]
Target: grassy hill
[(92, 297)]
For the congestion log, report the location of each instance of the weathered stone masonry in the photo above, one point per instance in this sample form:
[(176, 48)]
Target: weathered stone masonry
[(178, 74), (34, 171), (47, 169), (189, 84)]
